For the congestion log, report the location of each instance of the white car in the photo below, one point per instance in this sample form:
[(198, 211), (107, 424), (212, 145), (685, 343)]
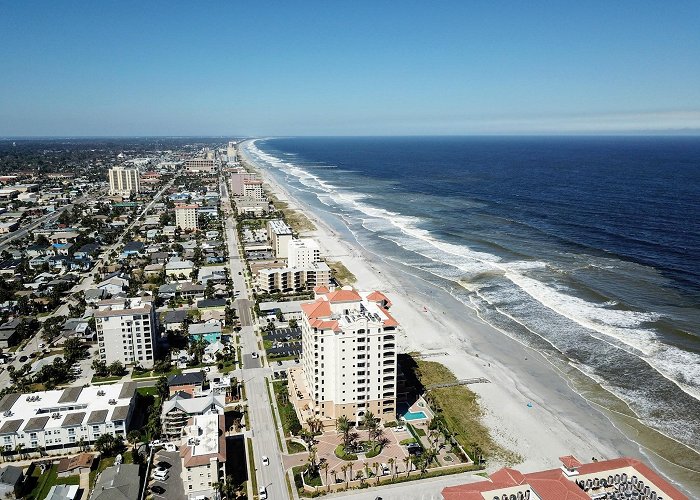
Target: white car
[(400, 428), (160, 475), (262, 493), (156, 442), (170, 447), (254, 355), (266, 461)]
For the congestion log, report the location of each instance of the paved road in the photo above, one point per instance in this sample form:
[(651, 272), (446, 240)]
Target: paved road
[(263, 429)]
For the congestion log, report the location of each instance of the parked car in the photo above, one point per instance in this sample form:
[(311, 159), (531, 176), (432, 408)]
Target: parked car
[(266, 461), (170, 447), (254, 355), (385, 469), (158, 490), (262, 493), (22, 359)]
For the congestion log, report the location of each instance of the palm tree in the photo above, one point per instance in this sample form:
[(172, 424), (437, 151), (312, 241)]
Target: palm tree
[(392, 464), (324, 467), (344, 468), (335, 476), (407, 462), (343, 426), (350, 464), (375, 466), (429, 455)]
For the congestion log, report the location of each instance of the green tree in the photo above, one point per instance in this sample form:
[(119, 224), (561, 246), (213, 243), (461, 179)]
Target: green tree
[(117, 369), (74, 350), (108, 444), (162, 388), (100, 368)]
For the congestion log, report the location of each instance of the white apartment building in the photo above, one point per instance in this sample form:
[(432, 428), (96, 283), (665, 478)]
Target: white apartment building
[(280, 235), (348, 357), (126, 330), (203, 454), (253, 189), (288, 279), (186, 216), (231, 152), (124, 181), (62, 418), (303, 253)]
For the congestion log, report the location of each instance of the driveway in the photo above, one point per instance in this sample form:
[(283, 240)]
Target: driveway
[(174, 489)]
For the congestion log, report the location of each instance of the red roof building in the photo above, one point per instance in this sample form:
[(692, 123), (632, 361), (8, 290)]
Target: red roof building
[(619, 478)]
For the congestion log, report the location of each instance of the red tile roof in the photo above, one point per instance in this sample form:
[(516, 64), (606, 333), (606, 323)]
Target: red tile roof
[(321, 290), (554, 485), (318, 309), (570, 462), (344, 296), (377, 296)]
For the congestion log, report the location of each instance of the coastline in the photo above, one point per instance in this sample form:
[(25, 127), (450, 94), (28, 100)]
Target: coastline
[(518, 375)]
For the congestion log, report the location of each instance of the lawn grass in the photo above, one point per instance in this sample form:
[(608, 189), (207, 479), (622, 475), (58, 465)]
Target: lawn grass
[(251, 467), (341, 273), (286, 409), (274, 415), (102, 380), (294, 447), (460, 409), (153, 374), (147, 391), (46, 480)]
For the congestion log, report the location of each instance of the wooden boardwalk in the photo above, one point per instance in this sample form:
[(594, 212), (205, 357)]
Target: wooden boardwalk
[(466, 381)]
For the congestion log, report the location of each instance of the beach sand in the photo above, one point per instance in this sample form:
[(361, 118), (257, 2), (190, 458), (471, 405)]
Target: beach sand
[(557, 422)]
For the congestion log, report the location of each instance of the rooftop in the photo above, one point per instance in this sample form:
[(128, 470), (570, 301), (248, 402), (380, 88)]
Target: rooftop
[(65, 408), (204, 439), (616, 478)]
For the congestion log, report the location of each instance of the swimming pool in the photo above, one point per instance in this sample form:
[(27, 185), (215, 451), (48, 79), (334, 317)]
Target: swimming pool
[(407, 414)]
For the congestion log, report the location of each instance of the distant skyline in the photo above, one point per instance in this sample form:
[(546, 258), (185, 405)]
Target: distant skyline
[(128, 68)]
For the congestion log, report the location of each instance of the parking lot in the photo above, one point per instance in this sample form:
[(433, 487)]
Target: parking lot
[(172, 486)]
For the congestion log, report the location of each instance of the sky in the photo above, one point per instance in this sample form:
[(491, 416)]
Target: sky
[(263, 68)]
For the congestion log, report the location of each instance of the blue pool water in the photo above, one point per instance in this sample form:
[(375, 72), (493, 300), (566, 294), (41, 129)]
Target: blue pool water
[(411, 415)]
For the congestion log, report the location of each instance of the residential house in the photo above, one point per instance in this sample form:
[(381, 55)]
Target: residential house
[(174, 320), (183, 406), (11, 479), (192, 383), (210, 331), (119, 482), (179, 267)]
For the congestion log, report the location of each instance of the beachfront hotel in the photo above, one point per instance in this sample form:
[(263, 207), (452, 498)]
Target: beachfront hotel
[(616, 479), (289, 279), (348, 357), (280, 234), (303, 253), (203, 454)]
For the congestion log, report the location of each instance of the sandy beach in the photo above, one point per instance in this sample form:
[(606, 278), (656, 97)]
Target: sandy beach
[(443, 329), (529, 406)]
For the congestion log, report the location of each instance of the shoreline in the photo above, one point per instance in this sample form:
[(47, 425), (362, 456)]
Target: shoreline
[(519, 375)]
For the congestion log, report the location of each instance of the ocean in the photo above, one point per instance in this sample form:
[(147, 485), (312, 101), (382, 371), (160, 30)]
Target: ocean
[(585, 248)]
